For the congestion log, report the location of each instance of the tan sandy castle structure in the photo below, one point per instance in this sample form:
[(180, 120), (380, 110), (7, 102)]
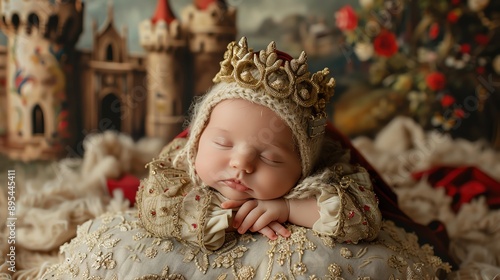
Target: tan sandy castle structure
[(39, 75), (55, 95)]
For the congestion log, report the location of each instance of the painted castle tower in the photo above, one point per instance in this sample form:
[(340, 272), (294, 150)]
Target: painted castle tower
[(182, 57), (210, 26), (39, 78), (165, 43)]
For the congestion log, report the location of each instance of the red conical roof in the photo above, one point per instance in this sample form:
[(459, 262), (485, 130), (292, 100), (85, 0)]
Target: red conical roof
[(163, 12), (203, 4)]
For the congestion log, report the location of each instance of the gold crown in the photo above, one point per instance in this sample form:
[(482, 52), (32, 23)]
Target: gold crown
[(279, 78)]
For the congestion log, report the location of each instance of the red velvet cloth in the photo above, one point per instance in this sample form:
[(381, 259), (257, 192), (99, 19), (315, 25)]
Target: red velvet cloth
[(463, 184)]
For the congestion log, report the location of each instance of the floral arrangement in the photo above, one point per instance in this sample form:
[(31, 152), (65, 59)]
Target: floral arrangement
[(443, 56)]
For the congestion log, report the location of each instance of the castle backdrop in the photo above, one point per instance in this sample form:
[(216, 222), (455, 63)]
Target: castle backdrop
[(70, 68)]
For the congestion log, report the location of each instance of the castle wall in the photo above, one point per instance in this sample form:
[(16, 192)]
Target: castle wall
[(166, 87)]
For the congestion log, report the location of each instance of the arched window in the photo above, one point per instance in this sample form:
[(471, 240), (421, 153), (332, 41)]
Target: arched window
[(51, 30), (37, 120), (109, 53), (15, 20), (33, 22), (110, 113)]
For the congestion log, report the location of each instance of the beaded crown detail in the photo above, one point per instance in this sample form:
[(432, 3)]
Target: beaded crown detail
[(279, 77)]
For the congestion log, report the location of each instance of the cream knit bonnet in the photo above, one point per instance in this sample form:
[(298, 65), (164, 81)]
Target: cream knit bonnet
[(272, 79)]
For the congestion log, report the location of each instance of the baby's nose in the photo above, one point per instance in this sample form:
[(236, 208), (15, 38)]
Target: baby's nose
[(243, 160)]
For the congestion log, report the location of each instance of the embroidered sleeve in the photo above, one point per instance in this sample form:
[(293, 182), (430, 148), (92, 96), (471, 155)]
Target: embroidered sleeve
[(348, 205), (169, 205)]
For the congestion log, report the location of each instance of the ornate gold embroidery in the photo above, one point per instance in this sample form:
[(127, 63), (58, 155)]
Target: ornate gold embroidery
[(103, 260), (139, 235), (345, 252), (397, 262), (167, 246), (334, 269), (283, 249), (109, 243), (350, 269), (226, 260), (222, 277), (164, 276), (299, 268), (151, 252), (280, 276), (246, 273)]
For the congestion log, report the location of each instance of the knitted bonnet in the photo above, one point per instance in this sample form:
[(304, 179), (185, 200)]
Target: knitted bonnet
[(272, 79)]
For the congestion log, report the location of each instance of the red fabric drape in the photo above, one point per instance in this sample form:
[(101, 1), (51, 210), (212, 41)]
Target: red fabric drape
[(463, 184)]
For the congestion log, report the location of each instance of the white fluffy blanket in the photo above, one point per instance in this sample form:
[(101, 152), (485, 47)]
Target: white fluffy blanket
[(52, 199)]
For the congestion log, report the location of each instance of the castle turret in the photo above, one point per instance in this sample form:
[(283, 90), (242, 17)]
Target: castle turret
[(211, 25), (41, 38), (165, 44)]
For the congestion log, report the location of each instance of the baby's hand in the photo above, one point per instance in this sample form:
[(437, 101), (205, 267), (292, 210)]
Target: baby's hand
[(264, 216)]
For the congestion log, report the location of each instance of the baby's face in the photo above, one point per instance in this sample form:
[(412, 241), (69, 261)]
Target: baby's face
[(246, 151)]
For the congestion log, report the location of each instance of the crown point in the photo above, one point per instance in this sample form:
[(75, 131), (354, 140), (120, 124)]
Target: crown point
[(243, 42), (271, 59), (271, 48), (302, 57)]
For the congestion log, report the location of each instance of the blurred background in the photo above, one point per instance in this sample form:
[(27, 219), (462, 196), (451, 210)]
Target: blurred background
[(69, 68)]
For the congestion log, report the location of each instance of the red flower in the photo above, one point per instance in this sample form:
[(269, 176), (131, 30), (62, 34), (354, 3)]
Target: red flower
[(465, 48), (346, 19), (481, 39), (452, 17), (434, 31), (436, 81), (480, 70), (385, 44), (455, 2), (447, 100)]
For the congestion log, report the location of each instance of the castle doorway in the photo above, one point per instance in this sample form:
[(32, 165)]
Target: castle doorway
[(110, 113), (37, 120)]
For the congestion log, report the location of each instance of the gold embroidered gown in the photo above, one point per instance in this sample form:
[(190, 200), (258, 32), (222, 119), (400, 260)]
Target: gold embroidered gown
[(179, 232)]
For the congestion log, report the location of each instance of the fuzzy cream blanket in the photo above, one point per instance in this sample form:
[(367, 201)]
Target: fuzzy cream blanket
[(53, 199)]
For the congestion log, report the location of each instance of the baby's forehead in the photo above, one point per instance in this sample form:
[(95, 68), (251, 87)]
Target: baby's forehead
[(236, 114), (237, 106)]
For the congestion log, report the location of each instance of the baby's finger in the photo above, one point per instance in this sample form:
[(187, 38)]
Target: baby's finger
[(243, 212), (261, 221), (279, 229), (232, 204), (250, 220), (269, 233)]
